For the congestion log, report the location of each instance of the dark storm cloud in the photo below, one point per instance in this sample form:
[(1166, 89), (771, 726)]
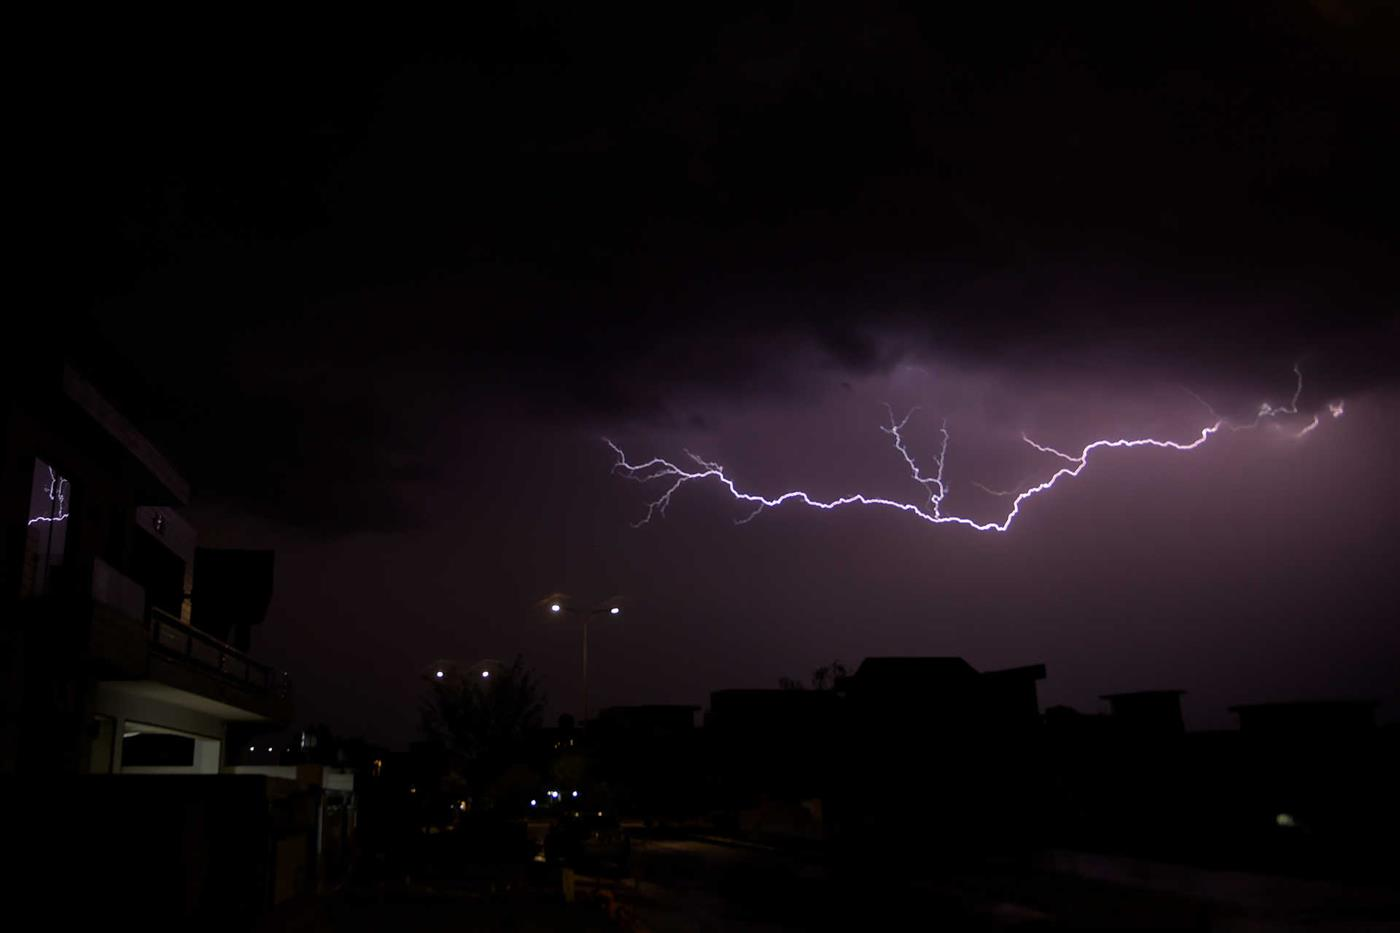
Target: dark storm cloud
[(615, 220), (384, 294)]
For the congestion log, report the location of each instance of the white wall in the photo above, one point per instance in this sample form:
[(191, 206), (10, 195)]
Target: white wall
[(123, 707)]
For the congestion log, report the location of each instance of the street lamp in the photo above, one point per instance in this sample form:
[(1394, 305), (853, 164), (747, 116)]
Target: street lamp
[(559, 606)]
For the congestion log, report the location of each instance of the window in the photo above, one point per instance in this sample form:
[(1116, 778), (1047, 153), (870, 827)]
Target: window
[(157, 750), (49, 506)]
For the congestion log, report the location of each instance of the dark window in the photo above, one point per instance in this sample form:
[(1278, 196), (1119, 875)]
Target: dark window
[(157, 749)]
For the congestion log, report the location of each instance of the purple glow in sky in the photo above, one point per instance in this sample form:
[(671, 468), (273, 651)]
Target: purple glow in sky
[(438, 278), (660, 469)]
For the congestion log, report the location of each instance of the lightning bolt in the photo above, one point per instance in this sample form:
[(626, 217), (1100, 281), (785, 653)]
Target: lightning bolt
[(935, 488), (58, 489)]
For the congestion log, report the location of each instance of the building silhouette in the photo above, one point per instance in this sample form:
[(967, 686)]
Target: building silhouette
[(132, 709)]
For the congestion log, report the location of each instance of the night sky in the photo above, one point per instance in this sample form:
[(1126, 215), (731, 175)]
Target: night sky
[(382, 291)]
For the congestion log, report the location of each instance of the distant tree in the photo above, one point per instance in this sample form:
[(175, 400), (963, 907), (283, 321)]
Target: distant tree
[(825, 677), (480, 724)]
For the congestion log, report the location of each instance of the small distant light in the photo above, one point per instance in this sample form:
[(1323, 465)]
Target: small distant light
[(269, 748), (1285, 819), (461, 805), (600, 812), (614, 610), (250, 748), (574, 794), (485, 673), (554, 607), (533, 802), (439, 675)]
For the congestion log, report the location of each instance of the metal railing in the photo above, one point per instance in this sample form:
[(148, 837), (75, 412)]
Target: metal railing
[(186, 641)]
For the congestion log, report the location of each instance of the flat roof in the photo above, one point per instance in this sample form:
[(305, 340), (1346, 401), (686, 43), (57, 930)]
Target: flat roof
[(1141, 693), (1304, 704)]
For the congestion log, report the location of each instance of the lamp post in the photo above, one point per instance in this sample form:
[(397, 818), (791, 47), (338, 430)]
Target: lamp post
[(558, 607)]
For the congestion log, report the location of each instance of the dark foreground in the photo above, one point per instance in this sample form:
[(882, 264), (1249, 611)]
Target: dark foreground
[(706, 883)]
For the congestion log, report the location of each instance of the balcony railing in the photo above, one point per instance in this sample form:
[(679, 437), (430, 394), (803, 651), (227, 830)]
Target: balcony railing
[(186, 641)]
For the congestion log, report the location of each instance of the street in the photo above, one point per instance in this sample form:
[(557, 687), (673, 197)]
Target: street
[(697, 885)]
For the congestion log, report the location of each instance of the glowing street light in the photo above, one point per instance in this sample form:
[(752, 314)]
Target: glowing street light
[(559, 606), (439, 675)]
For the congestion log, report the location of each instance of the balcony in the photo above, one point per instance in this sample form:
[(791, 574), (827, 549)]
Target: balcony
[(182, 656), (164, 658), (176, 638)]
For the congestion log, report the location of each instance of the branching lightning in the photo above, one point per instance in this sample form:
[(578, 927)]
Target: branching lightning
[(935, 487), (58, 492)]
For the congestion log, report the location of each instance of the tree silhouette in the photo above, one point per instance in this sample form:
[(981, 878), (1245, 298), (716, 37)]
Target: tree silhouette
[(480, 723), (826, 676), (823, 678)]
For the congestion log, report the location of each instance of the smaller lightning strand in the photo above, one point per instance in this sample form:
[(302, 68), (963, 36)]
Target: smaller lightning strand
[(57, 491), (659, 468), (1000, 493), (934, 484)]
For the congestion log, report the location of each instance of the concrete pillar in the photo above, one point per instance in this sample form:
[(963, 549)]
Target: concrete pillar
[(119, 730)]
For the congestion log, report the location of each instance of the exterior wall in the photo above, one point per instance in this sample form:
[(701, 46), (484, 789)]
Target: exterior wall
[(203, 853), (45, 640), (336, 816)]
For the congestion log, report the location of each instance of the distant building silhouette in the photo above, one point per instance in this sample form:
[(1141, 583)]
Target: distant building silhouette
[(1300, 788), (1325, 720), (650, 760), (773, 756), (901, 743), (1147, 714), (939, 756)]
